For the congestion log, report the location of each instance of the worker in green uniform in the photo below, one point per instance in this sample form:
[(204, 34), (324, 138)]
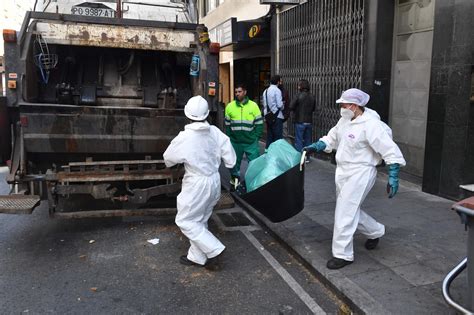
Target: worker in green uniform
[(244, 126)]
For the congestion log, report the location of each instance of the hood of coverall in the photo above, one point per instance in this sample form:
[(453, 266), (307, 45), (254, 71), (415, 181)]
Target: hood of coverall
[(354, 96), (198, 125)]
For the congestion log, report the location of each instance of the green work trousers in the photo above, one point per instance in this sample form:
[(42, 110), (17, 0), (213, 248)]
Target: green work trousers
[(252, 151)]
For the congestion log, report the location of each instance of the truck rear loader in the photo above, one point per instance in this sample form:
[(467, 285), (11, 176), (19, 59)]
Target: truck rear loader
[(92, 102)]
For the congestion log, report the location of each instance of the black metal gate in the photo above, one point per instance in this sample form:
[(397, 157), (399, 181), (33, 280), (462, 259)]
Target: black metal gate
[(322, 41)]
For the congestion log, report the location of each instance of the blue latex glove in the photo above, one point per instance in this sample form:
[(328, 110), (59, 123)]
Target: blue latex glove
[(392, 186), (315, 147)]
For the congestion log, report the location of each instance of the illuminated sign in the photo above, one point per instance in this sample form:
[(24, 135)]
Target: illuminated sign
[(254, 30)]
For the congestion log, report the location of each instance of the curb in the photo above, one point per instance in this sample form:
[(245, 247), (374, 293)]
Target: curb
[(358, 300)]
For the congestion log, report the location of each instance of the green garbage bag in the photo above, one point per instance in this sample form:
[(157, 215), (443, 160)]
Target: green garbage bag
[(280, 157)]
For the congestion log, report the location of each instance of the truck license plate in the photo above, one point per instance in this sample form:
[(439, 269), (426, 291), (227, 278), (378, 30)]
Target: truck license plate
[(99, 12)]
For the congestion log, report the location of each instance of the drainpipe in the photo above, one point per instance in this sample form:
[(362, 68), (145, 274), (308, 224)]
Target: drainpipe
[(119, 9), (277, 50)]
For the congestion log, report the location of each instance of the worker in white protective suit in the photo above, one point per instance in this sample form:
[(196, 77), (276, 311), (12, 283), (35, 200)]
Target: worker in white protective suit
[(200, 147), (362, 140)]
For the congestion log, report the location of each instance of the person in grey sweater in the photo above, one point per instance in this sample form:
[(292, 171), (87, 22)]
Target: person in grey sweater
[(303, 106)]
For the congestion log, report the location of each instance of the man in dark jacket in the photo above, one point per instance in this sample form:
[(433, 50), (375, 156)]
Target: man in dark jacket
[(303, 105)]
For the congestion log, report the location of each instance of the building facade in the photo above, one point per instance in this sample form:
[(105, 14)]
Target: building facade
[(414, 57), (243, 30), (12, 14)]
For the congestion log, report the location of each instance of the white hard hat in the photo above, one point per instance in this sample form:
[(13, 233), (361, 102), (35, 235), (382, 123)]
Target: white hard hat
[(196, 108), (354, 96)]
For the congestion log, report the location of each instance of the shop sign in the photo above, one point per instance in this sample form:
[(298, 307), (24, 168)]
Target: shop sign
[(223, 33), (240, 33), (254, 30)]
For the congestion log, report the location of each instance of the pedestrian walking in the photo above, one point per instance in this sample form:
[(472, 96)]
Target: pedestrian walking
[(286, 108), (200, 147), (361, 141), (244, 126), (273, 110), (303, 105)]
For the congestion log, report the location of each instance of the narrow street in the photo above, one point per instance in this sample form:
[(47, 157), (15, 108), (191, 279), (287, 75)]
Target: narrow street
[(107, 266)]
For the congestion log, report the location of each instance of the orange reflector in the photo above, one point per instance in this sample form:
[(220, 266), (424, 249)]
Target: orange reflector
[(214, 48), (9, 36), (11, 84), (24, 121)]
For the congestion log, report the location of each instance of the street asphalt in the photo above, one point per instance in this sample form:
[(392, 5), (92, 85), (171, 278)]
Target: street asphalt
[(106, 266), (50, 266)]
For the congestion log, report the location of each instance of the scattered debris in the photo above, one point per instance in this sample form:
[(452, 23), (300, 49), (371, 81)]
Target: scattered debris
[(154, 241)]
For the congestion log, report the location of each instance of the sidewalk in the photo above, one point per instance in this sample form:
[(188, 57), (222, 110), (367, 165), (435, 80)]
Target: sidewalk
[(424, 240)]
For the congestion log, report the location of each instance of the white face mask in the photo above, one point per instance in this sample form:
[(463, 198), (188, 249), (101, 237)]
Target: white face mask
[(347, 113)]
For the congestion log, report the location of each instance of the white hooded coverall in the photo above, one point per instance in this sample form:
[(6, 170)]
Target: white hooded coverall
[(201, 147), (361, 144)]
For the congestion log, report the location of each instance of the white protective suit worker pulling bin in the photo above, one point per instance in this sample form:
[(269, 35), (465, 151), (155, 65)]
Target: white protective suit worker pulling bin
[(362, 140), (200, 147)]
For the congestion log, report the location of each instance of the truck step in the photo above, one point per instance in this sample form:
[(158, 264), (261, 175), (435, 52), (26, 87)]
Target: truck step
[(18, 204)]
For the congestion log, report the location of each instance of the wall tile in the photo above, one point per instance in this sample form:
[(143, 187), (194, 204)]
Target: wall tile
[(452, 171), (463, 22), (437, 108), (439, 79), (459, 92), (469, 163), (443, 31), (433, 157), (461, 55)]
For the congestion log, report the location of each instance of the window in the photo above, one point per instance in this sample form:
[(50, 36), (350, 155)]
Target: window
[(209, 5)]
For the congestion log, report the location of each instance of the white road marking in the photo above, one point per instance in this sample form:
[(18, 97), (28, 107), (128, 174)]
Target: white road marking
[(302, 294)]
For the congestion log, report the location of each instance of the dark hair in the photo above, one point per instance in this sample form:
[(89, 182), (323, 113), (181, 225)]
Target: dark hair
[(240, 85), (275, 79), (304, 85)]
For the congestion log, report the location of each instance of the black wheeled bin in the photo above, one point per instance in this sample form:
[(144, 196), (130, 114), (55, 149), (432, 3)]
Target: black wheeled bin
[(280, 198)]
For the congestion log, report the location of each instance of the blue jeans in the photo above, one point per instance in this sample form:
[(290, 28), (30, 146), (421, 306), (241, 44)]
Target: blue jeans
[(274, 131), (303, 132)]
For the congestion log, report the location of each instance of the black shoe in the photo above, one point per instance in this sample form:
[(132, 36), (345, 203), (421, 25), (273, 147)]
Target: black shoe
[(337, 263), (214, 263), (371, 243), (185, 261)]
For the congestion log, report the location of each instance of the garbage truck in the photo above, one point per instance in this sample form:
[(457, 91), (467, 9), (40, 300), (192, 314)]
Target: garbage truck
[(95, 92)]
